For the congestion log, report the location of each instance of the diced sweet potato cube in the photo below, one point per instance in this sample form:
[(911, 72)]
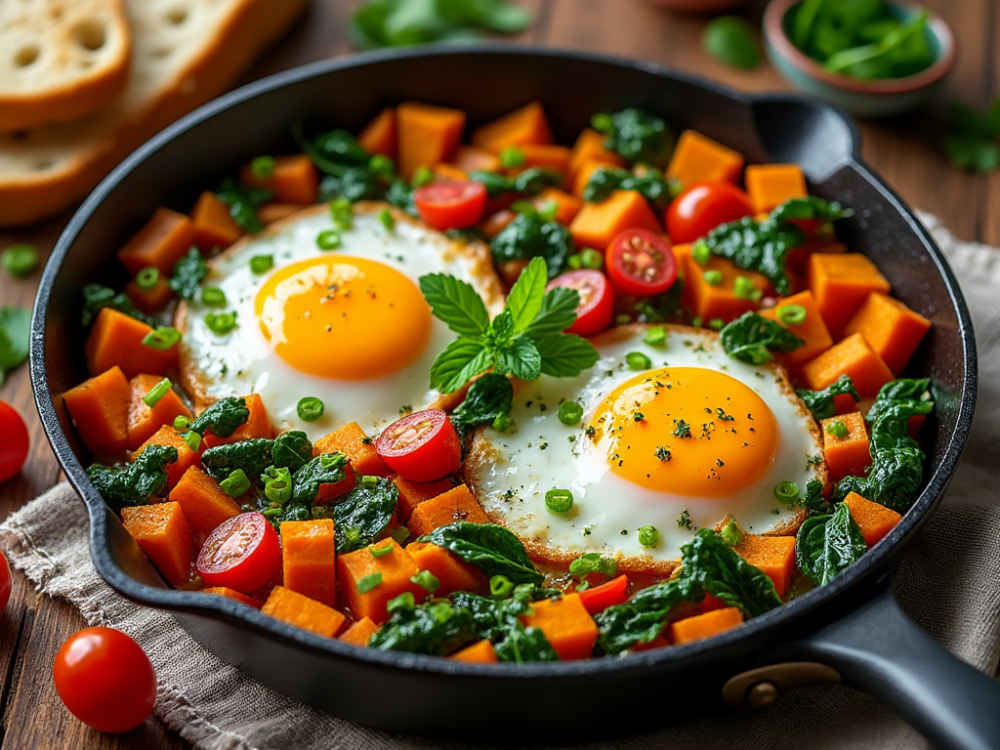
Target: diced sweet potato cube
[(379, 136), (555, 158), (186, 458), (152, 300), (480, 652), (359, 449), (449, 172), (272, 212), (301, 611), (472, 158), (812, 330), (427, 135), (411, 494), (719, 301), (309, 560), (360, 632), (590, 145), (213, 225), (704, 625), (294, 180), (258, 425), (99, 409), (162, 241), (599, 223), (775, 555), (453, 573), (849, 455), (770, 185), (698, 158), (456, 504), (163, 534), (567, 206), (368, 583), (566, 624), (841, 282), (854, 357), (521, 127), (234, 595), (874, 520), (145, 420), (893, 329), (205, 505), (116, 340)]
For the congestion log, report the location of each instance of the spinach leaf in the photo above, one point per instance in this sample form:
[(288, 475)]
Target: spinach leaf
[(328, 468), (826, 545), (189, 272), (15, 332), (487, 399), (649, 183), (641, 618), (812, 499), (525, 644), (354, 183), (761, 247), (529, 182), (252, 456), (96, 297), (751, 338), (498, 622), (809, 207), (821, 404), (135, 483), (731, 39), (902, 389), (332, 151), (222, 417), (971, 142), (438, 629), (529, 237), (902, 52), (493, 549), (718, 569), (243, 202), (637, 135), (400, 194), (364, 513), (291, 450)]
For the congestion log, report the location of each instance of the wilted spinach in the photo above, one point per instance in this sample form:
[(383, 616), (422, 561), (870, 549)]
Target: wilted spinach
[(189, 272), (529, 237), (827, 544), (364, 513), (487, 399), (96, 297), (751, 338), (637, 135), (222, 417), (252, 456), (821, 403), (528, 182), (438, 629), (291, 450), (328, 468), (493, 549), (243, 202), (127, 485), (649, 183)]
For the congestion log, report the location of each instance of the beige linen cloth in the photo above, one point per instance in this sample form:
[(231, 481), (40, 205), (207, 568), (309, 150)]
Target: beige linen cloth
[(949, 583)]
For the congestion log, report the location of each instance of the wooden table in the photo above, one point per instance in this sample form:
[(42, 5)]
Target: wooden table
[(905, 151)]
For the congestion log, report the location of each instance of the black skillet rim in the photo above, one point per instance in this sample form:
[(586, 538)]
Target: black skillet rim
[(872, 565)]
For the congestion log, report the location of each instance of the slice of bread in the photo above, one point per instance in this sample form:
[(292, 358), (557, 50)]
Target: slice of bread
[(61, 59), (185, 52)]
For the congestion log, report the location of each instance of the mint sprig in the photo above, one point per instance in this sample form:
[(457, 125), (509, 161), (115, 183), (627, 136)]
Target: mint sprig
[(524, 341)]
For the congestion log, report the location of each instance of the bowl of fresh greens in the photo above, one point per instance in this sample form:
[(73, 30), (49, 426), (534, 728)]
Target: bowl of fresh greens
[(871, 58)]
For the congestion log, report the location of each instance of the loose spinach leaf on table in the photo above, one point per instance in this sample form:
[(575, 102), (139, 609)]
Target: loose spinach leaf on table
[(828, 544), (493, 549), (637, 135), (752, 338), (244, 202), (222, 417), (487, 399), (972, 142), (291, 450), (364, 513), (821, 403), (650, 184), (529, 237), (15, 333), (189, 272), (731, 39), (128, 485), (398, 23), (252, 456)]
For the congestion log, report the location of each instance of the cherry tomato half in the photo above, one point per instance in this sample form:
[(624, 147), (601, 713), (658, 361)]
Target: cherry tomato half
[(599, 598), (422, 446), (105, 679), (640, 262), (242, 553), (702, 207), (597, 300), (5, 583), (14, 446), (450, 204)]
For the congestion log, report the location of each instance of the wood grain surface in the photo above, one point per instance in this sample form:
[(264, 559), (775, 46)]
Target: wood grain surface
[(906, 151)]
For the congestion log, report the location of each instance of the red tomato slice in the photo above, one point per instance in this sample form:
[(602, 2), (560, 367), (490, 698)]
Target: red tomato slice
[(105, 679), (640, 262), (14, 446), (5, 583), (422, 446), (450, 204), (599, 598), (242, 553), (597, 300), (702, 207)]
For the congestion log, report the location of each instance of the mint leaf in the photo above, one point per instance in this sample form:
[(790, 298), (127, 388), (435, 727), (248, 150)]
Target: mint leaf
[(526, 296), (557, 313), (456, 303), (565, 355), (15, 332), (522, 360), (462, 360)]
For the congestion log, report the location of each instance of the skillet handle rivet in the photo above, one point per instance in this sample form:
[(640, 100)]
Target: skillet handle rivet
[(762, 694)]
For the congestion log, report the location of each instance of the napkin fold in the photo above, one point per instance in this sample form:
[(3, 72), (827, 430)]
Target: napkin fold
[(949, 583)]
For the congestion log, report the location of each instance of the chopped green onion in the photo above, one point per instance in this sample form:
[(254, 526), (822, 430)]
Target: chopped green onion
[(328, 239), (221, 323), (713, 278), (368, 582), (342, 213), (548, 210), (236, 484), (838, 429), (309, 409), (786, 492), (696, 322), (744, 288), (353, 536), (158, 391), (278, 484), (575, 261), (701, 252), (426, 580), (601, 122), (731, 534), (381, 166), (406, 600), (591, 258), (261, 263), (262, 168), (213, 296), (422, 176), (638, 361), (387, 219), (502, 423), (19, 260), (716, 324), (381, 551), (570, 412), (272, 512), (656, 336), (511, 157), (147, 278), (193, 440), (500, 587), (558, 501), (648, 536), (181, 422), (792, 315), (161, 338)]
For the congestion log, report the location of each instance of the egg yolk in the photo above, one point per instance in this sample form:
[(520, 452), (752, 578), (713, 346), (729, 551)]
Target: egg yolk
[(343, 317), (688, 431)]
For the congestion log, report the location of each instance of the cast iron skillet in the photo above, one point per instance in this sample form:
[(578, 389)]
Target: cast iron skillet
[(852, 624)]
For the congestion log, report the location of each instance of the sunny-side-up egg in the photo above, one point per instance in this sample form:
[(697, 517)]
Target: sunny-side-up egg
[(348, 326), (685, 443)]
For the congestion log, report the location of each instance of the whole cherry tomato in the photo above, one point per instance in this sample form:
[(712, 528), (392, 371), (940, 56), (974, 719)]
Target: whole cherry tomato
[(242, 553), (640, 262), (597, 300), (422, 446), (105, 679), (702, 207), (5, 583), (14, 446), (450, 204)]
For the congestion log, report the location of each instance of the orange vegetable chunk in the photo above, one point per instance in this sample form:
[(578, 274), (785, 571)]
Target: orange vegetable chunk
[(472, 158), (449, 172), (390, 573), (718, 301), (704, 625), (874, 520), (812, 330), (162, 241), (698, 158), (379, 136), (453, 573), (144, 420), (524, 126), (232, 594), (770, 185), (841, 282), (99, 409), (186, 458), (853, 356), (258, 424), (213, 224), (775, 555), (411, 494), (359, 449), (599, 223), (301, 611), (152, 300), (162, 532), (116, 340), (555, 158), (850, 455), (481, 652), (590, 145), (205, 505), (566, 624), (360, 632), (308, 559), (272, 212), (893, 329), (567, 206), (294, 180), (585, 170), (456, 504), (427, 135)]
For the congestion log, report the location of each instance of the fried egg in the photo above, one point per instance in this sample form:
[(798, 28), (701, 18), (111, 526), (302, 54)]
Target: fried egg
[(687, 442), (348, 326)]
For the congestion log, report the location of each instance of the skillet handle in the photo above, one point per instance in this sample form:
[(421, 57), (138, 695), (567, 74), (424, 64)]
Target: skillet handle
[(878, 649)]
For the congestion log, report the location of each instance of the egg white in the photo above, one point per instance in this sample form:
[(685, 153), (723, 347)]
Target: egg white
[(242, 362), (511, 472)]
